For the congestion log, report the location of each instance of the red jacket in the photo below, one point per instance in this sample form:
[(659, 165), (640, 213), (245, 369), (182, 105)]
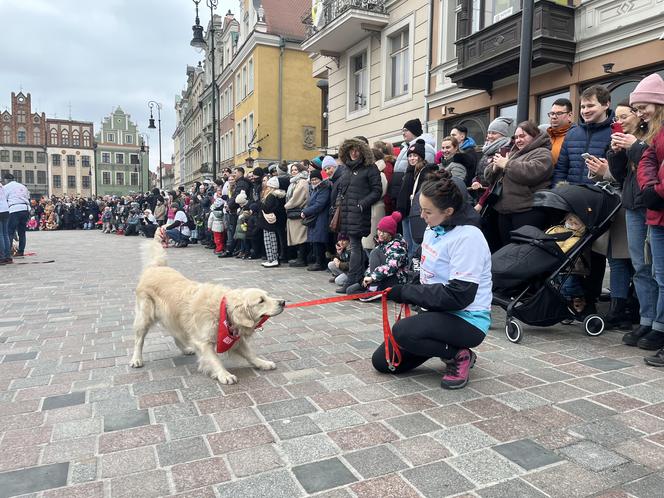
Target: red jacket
[(651, 172)]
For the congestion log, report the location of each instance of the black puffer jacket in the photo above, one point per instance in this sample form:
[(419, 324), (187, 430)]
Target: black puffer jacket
[(273, 203), (360, 189), (622, 165)]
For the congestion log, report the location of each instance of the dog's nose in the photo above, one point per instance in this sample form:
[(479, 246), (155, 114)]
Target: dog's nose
[(282, 303)]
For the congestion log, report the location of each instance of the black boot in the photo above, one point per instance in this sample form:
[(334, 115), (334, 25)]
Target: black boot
[(652, 341), (631, 338), (657, 360), (617, 317)]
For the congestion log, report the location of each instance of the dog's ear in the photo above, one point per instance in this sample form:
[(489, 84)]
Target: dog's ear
[(240, 315)]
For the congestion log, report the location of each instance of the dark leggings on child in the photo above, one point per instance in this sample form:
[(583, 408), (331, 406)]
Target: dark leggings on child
[(427, 335)]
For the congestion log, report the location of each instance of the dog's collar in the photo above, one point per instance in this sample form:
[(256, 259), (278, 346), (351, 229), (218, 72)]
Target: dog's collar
[(227, 336)]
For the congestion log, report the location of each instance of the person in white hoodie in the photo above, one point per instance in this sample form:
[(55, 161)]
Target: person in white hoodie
[(18, 198), (5, 241)]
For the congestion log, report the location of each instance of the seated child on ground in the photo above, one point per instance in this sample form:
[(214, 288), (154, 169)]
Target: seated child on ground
[(340, 264), (572, 287), (388, 261)]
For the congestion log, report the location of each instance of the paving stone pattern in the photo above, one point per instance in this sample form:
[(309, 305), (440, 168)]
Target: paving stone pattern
[(561, 414)]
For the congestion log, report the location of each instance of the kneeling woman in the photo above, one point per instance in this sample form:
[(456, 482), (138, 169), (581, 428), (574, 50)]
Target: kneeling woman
[(455, 289)]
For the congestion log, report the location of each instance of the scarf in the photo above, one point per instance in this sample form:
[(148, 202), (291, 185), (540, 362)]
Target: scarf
[(302, 175), (489, 149)]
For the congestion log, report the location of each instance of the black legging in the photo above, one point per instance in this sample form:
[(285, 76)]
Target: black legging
[(427, 335)]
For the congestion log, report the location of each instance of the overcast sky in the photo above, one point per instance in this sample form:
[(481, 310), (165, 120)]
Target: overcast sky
[(98, 54)]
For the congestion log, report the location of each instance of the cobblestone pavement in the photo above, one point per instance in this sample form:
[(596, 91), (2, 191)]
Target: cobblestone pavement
[(561, 414)]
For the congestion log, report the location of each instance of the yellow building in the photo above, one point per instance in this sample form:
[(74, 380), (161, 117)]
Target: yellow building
[(270, 105)]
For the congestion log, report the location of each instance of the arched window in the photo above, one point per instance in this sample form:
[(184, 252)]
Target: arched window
[(86, 139), (75, 138), (21, 136), (65, 137), (36, 136), (54, 136)]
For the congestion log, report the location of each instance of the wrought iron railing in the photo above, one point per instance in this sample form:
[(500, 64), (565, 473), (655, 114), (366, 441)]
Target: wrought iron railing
[(332, 9)]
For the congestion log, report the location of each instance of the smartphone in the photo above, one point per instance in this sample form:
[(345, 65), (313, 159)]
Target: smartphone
[(616, 128), (586, 156), (503, 151)]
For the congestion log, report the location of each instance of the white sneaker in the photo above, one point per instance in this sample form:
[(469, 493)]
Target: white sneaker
[(270, 264)]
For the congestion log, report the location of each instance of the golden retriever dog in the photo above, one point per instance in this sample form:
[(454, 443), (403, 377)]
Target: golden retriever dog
[(190, 313)]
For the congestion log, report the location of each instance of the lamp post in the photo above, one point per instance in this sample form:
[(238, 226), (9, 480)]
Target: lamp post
[(141, 153), (151, 126), (198, 42), (525, 61)]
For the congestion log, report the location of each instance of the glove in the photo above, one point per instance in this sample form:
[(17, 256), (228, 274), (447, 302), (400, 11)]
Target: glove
[(651, 198), (395, 294)]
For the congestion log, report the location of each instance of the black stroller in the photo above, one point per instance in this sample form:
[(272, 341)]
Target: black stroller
[(529, 272)]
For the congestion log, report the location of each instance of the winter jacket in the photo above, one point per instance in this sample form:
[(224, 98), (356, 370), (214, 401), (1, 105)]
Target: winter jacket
[(557, 136), (273, 203), (360, 188), (410, 186), (215, 221), (18, 197), (456, 165), (296, 198), (593, 138), (622, 165), (527, 171), (241, 184), (160, 212), (386, 167), (319, 205), (401, 162), (650, 173), (396, 260)]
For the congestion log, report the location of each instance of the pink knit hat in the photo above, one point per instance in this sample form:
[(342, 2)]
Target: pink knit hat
[(389, 223), (650, 90)]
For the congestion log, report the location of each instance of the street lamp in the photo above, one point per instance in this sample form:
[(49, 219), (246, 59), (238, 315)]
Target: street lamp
[(151, 126), (142, 151), (198, 42)]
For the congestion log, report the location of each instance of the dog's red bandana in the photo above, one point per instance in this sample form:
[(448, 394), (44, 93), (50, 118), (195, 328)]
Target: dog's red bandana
[(226, 335)]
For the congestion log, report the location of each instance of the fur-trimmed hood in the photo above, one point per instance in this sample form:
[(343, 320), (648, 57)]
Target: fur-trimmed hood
[(365, 151)]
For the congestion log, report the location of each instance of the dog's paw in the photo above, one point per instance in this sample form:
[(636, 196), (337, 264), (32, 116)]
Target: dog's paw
[(266, 365), (227, 378), (136, 363)]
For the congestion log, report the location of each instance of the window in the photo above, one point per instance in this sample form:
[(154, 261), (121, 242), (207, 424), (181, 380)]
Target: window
[(36, 136), (231, 152), (41, 157), (85, 161), (16, 156), (54, 137), (64, 137), (86, 139), (358, 79), (476, 123), (250, 128), (244, 135), (129, 139), (448, 29), (29, 176), (508, 111), (71, 181), (399, 64), (133, 178), (110, 137), (119, 158), (4, 156), (250, 72), (20, 116), (6, 135), (244, 81), (238, 135), (29, 156), (230, 99), (3, 172), (106, 157), (21, 136), (133, 159), (75, 138), (41, 177), (486, 12), (18, 175), (238, 88), (545, 104), (119, 178), (85, 182), (57, 181), (106, 178), (71, 160), (55, 159)]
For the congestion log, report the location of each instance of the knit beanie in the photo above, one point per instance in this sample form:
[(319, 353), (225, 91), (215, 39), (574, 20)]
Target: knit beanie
[(650, 90), (317, 162), (414, 126), (502, 125), (258, 172), (273, 182), (283, 166), (417, 148), (329, 162), (316, 174), (389, 223), (241, 198)]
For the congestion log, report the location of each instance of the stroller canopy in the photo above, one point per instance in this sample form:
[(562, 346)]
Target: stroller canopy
[(593, 204)]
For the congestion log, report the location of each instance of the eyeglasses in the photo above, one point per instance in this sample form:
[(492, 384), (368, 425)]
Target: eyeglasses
[(557, 114)]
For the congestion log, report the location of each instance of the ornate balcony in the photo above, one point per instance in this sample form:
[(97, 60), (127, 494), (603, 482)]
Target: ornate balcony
[(493, 53), (342, 24)]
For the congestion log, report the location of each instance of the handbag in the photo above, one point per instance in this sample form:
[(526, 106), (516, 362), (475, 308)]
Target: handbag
[(271, 218), (309, 220), (294, 213)]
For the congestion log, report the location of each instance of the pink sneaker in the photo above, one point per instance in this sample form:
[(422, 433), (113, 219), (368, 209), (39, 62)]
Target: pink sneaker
[(456, 375)]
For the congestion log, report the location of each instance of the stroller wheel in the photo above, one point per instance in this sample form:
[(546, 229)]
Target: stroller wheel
[(593, 325), (513, 331)]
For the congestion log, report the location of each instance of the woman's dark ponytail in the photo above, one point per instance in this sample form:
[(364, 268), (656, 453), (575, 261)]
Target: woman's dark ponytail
[(442, 191)]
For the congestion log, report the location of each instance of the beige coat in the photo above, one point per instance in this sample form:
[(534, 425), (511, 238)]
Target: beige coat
[(616, 235), (377, 210), (295, 230)]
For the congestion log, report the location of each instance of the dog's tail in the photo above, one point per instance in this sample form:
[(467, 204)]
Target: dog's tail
[(153, 252)]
